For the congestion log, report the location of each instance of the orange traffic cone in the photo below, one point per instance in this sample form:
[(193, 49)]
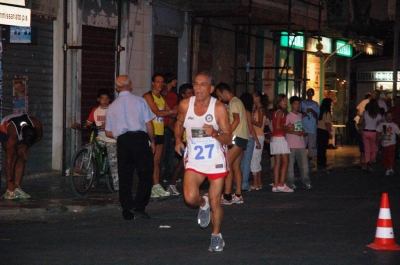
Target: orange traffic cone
[(384, 236)]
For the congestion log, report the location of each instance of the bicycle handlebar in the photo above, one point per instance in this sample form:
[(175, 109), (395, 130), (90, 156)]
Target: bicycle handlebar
[(91, 127)]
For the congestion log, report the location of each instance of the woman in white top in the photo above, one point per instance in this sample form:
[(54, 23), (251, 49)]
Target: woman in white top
[(371, 118)]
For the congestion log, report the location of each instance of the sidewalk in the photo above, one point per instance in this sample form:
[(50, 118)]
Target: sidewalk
[(51, 193)]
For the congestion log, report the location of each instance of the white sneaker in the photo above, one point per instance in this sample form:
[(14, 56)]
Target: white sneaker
[(172, 190), (387, 173), (237, 199), (284, 188), (21, 194), (157, 189), (10, 195), (154, 195)]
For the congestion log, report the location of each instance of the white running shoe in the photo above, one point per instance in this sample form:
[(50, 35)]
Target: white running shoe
[(217, 243), (157, 189), (172, 190), (10, 195), (21, 194)]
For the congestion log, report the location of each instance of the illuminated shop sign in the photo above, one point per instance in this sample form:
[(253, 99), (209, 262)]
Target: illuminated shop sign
[(385, 76), (326, 42), (344, 49), (15, 16), (296, 41)]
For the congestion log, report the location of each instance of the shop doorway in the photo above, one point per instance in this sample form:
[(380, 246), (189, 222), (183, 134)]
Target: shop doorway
[(98, 68)]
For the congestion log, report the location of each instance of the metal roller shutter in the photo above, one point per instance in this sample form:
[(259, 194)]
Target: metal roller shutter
[(36, 62)]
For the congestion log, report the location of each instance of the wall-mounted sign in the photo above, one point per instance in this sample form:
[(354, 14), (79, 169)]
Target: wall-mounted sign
[(344, 49), (20, 94), (15, 16), (386, 76), (326, 42), (295, 41), (13, 2)]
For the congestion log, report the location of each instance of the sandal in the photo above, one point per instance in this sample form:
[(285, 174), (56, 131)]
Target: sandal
[(251, 187)]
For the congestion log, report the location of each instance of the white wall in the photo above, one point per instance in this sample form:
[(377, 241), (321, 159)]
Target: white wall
[(139, 48)]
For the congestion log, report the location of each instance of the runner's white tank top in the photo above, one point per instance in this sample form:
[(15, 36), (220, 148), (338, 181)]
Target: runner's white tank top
[(203, 153)]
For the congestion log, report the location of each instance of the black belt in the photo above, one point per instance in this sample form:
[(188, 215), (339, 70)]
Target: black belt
[(365, 130), (134, 132)]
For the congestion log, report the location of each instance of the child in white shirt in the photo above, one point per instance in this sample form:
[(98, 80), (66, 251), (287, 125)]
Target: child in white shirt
[(388, 131)]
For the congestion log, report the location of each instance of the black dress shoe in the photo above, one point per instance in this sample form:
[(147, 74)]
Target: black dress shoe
[(142, 214), (127, 214)]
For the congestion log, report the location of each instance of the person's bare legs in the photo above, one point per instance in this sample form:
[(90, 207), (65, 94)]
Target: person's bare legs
[(193, 198), (178, 169), (233, 153), (277, 167), (19, 169), (283, 168), (157, 161), (257, 180), (214, 195), (238, 172)]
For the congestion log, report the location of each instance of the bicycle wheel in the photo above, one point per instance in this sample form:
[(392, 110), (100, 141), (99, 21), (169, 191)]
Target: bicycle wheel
[(108, 176), (82, 172)]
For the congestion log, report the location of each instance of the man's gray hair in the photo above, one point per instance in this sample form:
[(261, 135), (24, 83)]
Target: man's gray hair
[(124, 84)]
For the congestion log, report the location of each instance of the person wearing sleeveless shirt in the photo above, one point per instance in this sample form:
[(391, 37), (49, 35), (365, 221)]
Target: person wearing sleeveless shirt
[(18, 133), (279, 146), (158, 106), (259, 120), (238, 119), (208, 132), (248, 103)]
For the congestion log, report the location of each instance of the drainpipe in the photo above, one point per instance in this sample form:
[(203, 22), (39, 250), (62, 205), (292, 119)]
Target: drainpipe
[(119, 48), (65, 48)]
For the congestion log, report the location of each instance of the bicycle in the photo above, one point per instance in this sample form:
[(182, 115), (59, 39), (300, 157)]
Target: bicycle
[(89, 164)]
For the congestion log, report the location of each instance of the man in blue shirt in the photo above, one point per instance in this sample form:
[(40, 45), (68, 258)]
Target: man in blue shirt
[(310, 111), (129, 121)]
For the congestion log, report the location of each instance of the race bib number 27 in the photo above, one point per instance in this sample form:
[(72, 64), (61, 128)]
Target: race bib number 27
[(203, 149)]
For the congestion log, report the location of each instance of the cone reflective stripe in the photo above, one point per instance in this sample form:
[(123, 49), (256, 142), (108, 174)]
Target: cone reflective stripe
[(384, 236)]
